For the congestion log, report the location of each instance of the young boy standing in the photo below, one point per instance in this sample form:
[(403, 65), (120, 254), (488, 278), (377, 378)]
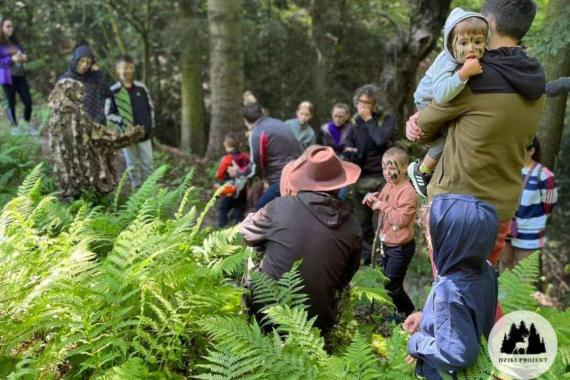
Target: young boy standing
[(130, 104), (300, 125), (234, 195), (465, 39), (397, 204)]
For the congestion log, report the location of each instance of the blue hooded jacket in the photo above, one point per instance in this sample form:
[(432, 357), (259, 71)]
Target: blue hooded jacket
[(463, 300)]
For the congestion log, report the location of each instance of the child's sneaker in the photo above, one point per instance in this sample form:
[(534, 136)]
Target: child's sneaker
[(418, 179)]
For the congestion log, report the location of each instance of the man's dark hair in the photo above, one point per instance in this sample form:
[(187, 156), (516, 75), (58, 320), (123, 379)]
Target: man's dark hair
[(252, 112), (124, 58), (371, 91), (512, 17), (536, 146)]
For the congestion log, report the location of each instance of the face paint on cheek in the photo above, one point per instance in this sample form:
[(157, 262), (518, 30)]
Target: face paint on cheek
[(458, 51)]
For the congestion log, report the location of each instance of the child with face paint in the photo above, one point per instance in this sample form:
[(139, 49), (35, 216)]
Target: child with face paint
[(397, 204), (465, 39)]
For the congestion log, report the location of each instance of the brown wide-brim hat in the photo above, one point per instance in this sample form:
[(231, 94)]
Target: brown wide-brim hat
[(319, 169)]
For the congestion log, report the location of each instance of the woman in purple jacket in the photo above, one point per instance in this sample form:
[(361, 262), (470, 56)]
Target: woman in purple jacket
[(12, 75)]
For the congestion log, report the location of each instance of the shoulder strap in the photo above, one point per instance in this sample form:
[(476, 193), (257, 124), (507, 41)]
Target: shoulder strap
[(526, 179)]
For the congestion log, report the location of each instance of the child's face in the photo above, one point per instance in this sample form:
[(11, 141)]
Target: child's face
[(304, 115), (340, 116), (125, 71), (392, 170), (467, 46), (83, 65), (227, 148)]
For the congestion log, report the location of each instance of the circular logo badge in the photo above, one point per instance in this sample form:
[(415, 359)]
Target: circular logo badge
[(523, 345)]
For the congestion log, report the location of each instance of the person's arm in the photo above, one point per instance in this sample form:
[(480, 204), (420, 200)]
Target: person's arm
[(455, 344), (382, 135), (257, 149), (256, 227), (437, 115), (558, 87), (353, 263), (5, 58), (225, 163), (104, 136), (549, 192), (401, 214), (112, 113), (149, 104)]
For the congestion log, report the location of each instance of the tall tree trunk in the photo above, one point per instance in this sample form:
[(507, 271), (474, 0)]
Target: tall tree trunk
[(318, 36), (192, 132), (556, 65), (405, 51), (226, 71)]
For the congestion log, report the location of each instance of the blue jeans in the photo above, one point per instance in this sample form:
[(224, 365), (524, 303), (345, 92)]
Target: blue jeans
[(138, 158), (270, 194)]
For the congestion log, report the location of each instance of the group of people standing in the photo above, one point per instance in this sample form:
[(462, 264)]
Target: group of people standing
[(352, 199), (479, 107)]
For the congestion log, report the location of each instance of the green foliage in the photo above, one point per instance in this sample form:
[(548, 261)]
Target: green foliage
[(368, 284), (134, 312), (517, 286)]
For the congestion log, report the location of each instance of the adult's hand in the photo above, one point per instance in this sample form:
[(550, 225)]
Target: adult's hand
[(413, 131), (412, 323), (233, 170)]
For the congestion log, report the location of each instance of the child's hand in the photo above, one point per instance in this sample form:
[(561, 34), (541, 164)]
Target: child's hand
[(233, 170), (370, 199), (410, 360), (471, 67), (376, 205), (412, 323)]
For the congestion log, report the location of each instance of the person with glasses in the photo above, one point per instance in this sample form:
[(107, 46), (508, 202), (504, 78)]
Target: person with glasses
[(369, 137)]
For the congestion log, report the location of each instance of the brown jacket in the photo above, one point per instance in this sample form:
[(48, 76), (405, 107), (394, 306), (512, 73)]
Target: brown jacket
[(318, 229), (490, 123)]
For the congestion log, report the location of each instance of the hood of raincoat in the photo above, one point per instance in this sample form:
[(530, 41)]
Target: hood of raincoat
[(455, 17), (463, 231)]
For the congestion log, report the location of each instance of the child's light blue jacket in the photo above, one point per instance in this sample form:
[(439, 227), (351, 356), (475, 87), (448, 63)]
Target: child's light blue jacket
[(441, 82)]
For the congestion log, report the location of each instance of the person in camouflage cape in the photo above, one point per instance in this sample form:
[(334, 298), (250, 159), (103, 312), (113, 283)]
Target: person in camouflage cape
[(81, 149)]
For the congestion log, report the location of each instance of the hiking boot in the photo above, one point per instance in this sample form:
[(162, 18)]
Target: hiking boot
[(418, 179)]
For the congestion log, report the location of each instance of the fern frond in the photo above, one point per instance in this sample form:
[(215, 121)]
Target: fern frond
[(31, 181), (517, 286)]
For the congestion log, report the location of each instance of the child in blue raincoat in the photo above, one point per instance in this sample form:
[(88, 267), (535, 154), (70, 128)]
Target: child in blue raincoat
[(463, 300)]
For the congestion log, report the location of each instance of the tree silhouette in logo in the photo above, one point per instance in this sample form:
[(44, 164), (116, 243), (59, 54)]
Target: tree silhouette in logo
[(523, 341)]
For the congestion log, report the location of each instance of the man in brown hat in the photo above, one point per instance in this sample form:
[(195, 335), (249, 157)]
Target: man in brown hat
[(314, 226)]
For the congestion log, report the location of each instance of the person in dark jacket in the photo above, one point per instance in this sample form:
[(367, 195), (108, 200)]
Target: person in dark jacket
[(82, 68), (130, 104), (491, 121), (13, 77), (331, 256), (370, 136), (271, 146), (461, 306)]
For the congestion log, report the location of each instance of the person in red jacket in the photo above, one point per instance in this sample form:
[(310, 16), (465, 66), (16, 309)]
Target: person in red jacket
[(234, 195)]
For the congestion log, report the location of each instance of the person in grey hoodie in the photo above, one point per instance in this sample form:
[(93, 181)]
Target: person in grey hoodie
[(462, 303), (465, 37)]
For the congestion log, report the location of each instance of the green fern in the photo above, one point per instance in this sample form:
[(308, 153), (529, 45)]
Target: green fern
[(360, 362), (517, 286)]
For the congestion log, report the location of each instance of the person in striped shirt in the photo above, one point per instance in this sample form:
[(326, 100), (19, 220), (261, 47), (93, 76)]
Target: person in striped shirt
[(538, 198)]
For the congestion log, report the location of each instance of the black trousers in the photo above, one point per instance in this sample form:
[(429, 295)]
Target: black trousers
[(395, 263), (19, 86)]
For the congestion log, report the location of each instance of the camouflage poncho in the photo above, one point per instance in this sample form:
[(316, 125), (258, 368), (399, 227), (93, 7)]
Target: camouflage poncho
[(82, 150)]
